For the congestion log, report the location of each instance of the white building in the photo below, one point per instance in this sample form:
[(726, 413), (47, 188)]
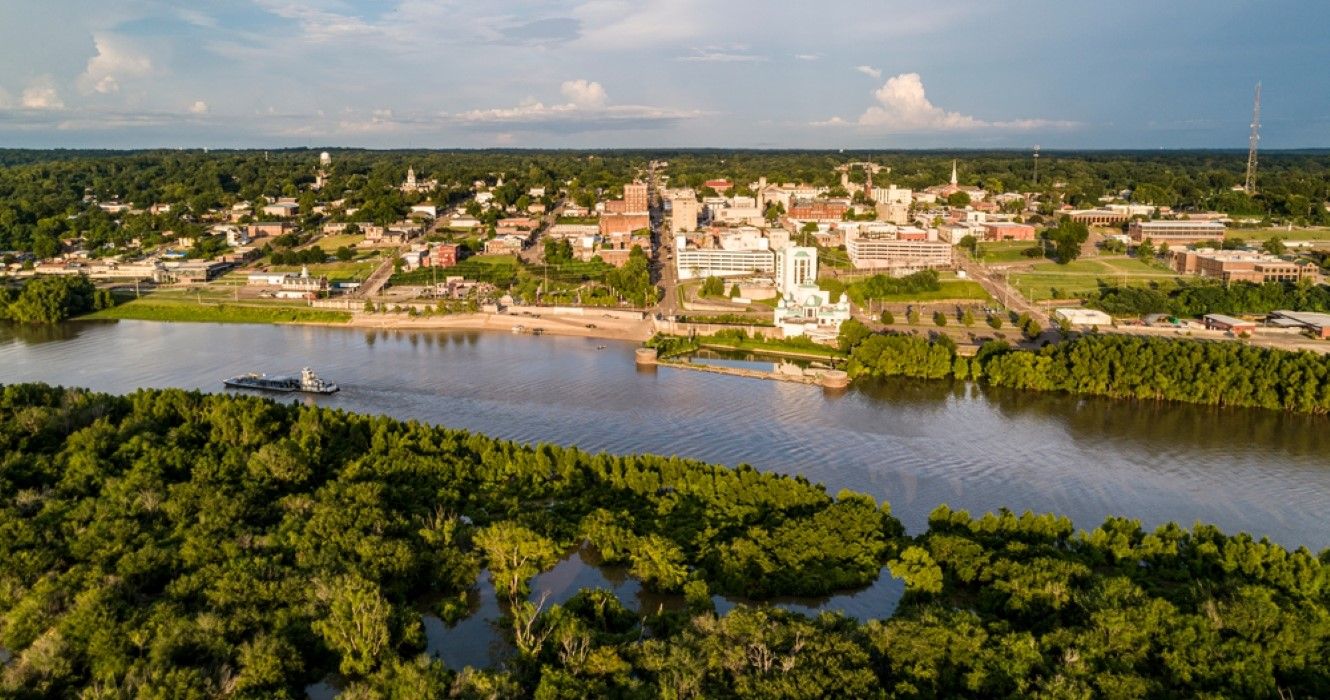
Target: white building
[(1077, 316), (694, 263), (795, 267), (897, 257), (804, 309)]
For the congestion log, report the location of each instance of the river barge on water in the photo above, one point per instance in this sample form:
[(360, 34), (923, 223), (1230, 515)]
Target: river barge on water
[(307, 382)]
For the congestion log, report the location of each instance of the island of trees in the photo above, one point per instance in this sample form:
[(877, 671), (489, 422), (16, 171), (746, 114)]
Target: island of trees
[(175, 544)]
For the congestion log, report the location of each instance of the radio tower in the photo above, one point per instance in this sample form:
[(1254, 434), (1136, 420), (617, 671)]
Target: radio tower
[(1250, 187)]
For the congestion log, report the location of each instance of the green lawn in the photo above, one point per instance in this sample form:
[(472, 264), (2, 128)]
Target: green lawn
[(182, 309), (330, 244), (1082, 276), (951, 289), (1297, 234), (1004, 251), (349, 271)]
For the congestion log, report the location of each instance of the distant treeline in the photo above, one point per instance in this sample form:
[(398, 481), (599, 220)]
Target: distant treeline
[(52, 299), (1194, 300), (1113, 365), (174, 544)]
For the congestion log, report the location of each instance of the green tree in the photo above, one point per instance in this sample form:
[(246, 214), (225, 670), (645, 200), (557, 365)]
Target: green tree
[(1274, 246), (887, 318), (515, 554), (356, 624), (939, 319)]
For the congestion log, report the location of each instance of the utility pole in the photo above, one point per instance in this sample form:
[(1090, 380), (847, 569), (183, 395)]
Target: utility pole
[(1036, 164), (1252, 141)]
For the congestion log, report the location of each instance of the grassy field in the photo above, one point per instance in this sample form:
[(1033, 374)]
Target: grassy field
[(330, 244), (1081, 276), (349, 271), (1297, 234), (181, 309), (1004, 251), (951, 289)]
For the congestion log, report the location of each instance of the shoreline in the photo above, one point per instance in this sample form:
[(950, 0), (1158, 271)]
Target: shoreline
[(568, 326)]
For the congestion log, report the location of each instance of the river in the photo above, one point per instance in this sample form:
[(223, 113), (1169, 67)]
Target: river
[(913, 443)]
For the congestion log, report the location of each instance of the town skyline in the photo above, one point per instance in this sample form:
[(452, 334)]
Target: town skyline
[(411, 74)]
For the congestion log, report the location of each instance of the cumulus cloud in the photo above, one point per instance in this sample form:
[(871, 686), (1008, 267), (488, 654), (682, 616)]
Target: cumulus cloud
[(584, 94), (199, 107), (114, 61), (41, 94), (870, 71), (903, 105)]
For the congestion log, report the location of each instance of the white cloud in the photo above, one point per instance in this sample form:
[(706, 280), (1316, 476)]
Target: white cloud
[(721, 54), (870, 71), (620, 24), (833, 121), (41, 94), (807, 56), (199, 107), (902, 105), (584, 94), (588, 108), (114, 60)]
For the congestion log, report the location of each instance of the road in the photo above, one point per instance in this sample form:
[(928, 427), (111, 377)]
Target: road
[(374, 283), (534, 254), (1002, 290)]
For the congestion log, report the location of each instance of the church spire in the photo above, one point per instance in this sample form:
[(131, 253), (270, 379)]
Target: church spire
[(953, 173)]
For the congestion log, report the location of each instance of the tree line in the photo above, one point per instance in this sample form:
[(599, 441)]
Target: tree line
[(1197, 299), (51, 299), (1112, 365), (175, 544)]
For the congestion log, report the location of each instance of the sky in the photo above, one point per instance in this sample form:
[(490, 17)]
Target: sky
[(663, 73)]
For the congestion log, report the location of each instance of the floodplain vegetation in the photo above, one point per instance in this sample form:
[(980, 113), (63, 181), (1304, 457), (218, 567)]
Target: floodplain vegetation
[(172, 544)]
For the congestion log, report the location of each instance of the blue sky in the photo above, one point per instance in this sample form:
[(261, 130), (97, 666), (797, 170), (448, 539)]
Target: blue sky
[(663, 73)]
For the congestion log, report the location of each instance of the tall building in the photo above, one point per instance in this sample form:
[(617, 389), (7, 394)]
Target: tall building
[(795, 267), (635, 198), (683, 211)]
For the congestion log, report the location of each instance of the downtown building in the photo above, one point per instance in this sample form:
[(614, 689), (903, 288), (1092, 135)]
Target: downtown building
[(893, 256)]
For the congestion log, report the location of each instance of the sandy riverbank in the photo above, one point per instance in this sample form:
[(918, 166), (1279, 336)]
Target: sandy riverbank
[(581, 326)]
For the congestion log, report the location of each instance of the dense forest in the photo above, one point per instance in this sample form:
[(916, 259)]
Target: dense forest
[(47, 196), (170, 544), (1112, 365)]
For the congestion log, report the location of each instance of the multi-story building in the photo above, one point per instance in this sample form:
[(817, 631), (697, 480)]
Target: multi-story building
[(818, 211), (1177, 232), (1241, 266), (1007, 231), (895, 256), (442, 255), (635, 198), (683, 211), (695, 262), (623, 223), (795, 267)]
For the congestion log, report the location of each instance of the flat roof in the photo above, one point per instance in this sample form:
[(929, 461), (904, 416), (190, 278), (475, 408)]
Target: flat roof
[(1228, 320), (1310, 318)]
